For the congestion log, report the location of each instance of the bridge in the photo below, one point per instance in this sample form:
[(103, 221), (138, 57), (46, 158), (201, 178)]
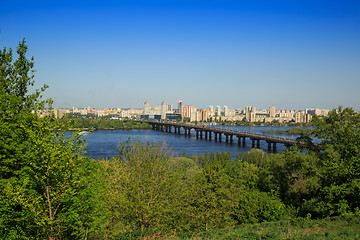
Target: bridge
[(206, 132)]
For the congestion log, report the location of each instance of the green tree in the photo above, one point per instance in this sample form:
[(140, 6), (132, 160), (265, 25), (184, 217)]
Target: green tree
[(339, 152), (16, 106), (144, 189), (39, 168), (212, 199)]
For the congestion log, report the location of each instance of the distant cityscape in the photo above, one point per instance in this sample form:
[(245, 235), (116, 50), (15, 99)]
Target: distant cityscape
[(193, 114)]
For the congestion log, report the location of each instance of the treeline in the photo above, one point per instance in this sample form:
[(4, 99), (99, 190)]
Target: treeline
[(294, 130), (50, 190), (103, 123)]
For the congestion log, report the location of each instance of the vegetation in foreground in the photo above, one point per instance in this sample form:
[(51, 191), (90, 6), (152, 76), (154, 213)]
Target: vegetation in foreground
[(49, 190), (298, 228)]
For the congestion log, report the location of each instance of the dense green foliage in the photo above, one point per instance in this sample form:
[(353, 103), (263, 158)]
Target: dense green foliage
[(339, 171), (147, 189), (49, 190), (44, 177)]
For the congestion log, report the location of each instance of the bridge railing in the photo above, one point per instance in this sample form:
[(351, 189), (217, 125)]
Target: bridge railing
[(249, 134), (229, 131)]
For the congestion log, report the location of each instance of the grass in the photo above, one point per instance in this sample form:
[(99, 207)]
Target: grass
[(299, 228)]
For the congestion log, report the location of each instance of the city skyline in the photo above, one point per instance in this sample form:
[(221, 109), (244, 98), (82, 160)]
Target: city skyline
[(194, 114), (147, 105), (289, 54), (180, 104)]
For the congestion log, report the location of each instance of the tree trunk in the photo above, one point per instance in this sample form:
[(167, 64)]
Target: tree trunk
[(50, 213)]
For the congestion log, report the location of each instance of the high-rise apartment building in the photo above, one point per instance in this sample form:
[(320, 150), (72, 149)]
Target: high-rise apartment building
[(163, 110), (272, 111), (192, 113), (299, 117), (146, 107), (226, 111), (218, 111), (203, 115), (250, 113), (211, 109), (180, 107)]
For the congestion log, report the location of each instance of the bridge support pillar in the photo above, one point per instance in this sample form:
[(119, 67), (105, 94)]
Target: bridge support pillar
[(229, 135)]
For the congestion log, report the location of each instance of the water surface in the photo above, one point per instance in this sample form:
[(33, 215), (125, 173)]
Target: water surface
[(104, 143)]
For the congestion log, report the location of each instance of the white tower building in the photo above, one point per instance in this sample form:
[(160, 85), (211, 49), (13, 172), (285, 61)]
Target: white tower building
[(163, 110), (146, 107)]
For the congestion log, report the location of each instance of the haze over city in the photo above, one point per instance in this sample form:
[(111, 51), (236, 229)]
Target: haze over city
[(288, 54)]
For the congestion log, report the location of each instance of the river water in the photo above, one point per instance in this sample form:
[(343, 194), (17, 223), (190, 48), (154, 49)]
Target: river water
[(104, 143)]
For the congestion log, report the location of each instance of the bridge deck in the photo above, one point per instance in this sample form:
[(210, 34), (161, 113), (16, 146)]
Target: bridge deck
[(253, 136)]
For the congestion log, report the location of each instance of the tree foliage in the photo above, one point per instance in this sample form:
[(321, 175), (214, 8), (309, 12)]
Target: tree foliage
[(40, 169), (144, 190), (339, 171)]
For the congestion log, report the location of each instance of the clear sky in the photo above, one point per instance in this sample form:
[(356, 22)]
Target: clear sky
[(292, 54)]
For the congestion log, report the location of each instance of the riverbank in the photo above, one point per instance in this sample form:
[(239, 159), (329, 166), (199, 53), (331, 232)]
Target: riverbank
[(290, 131), (105, 124)]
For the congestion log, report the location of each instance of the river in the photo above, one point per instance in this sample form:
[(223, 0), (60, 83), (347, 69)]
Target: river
[(104, 143)]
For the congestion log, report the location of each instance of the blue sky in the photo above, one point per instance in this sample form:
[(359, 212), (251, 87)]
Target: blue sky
[(292, 54)]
